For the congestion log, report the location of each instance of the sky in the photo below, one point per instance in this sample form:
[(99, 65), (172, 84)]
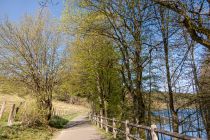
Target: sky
[(16, 9)]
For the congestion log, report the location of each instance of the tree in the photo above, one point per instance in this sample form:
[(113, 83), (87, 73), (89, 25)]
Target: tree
[(134, 28), (94, 73), (194, 17), (204, 93), (125, 25), (165, 30), (29, 52)]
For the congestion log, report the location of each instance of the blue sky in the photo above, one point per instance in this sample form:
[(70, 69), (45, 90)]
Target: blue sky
[(15, 9)]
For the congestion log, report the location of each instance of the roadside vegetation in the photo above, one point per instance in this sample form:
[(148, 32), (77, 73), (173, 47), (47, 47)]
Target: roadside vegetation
[(139, 60), (26, 127)]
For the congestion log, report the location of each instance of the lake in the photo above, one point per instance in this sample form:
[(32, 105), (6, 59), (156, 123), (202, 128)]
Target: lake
[(191, 123)]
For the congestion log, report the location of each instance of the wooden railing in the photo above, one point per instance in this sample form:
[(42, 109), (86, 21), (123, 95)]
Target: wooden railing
[(131, 131), (13, 109), (12, 113), (61, 112)]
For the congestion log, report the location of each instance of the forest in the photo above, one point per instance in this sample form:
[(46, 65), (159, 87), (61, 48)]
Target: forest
[(146, 61)]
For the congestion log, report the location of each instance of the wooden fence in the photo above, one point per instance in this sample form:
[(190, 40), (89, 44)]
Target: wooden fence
[(61, 112), (131, 131), (14, 109), (12, 112)]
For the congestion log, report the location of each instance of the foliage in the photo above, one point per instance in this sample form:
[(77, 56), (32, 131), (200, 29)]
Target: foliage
[(128, 58), (29, 54), (33, 116), (57, 122), (94, 75), (148, 66)]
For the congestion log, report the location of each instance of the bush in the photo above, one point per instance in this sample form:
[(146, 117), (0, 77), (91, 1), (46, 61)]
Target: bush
[(30, 115), (58, 122)]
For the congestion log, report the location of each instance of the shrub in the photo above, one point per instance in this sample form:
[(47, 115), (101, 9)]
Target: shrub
[(31, 115), (58, 122)]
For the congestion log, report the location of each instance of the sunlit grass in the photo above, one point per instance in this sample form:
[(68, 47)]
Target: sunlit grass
[(18, 132), (21, 132)]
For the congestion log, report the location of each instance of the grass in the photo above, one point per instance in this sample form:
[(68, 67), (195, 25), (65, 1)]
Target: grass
[(20, 132), (58, 122), (107, 136), (70, 117)]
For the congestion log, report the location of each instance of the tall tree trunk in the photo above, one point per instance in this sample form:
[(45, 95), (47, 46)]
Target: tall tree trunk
[(101, 93), (170, 91), (202, 89), (164, 31), (138, 66), (204, 94), (150, 92), (196, 86), (140, 106)]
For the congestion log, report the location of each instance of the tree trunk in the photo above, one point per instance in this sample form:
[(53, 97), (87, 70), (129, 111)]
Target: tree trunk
[(138, 100), (44, 102), (101, 95), (150, 92), (170, 91), (204, 94), (139, 71), (206, 115), (208, 122), (164, 31)]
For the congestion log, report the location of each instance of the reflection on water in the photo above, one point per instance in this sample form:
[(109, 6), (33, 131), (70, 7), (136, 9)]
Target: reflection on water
[(190, 120)]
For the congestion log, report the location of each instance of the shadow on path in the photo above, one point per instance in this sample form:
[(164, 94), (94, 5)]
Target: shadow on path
[(77, 124), (80, 128)]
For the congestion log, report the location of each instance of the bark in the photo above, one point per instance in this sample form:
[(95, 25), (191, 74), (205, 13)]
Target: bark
[(44, 102), (196, 86), (140, 106), (164, 31), (195, 75), (138, 70), (204, 95), (101, 94), (150, 92), (139, 101)]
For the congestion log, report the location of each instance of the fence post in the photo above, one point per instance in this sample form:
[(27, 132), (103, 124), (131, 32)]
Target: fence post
[(137, 130), (97, 121), (153, 134), (90, 116), (127, 130), (11, 116), (101, 121), (53, 111), (2, 109), (17, 109), (106, 126), (94, 119), (114, 128)]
